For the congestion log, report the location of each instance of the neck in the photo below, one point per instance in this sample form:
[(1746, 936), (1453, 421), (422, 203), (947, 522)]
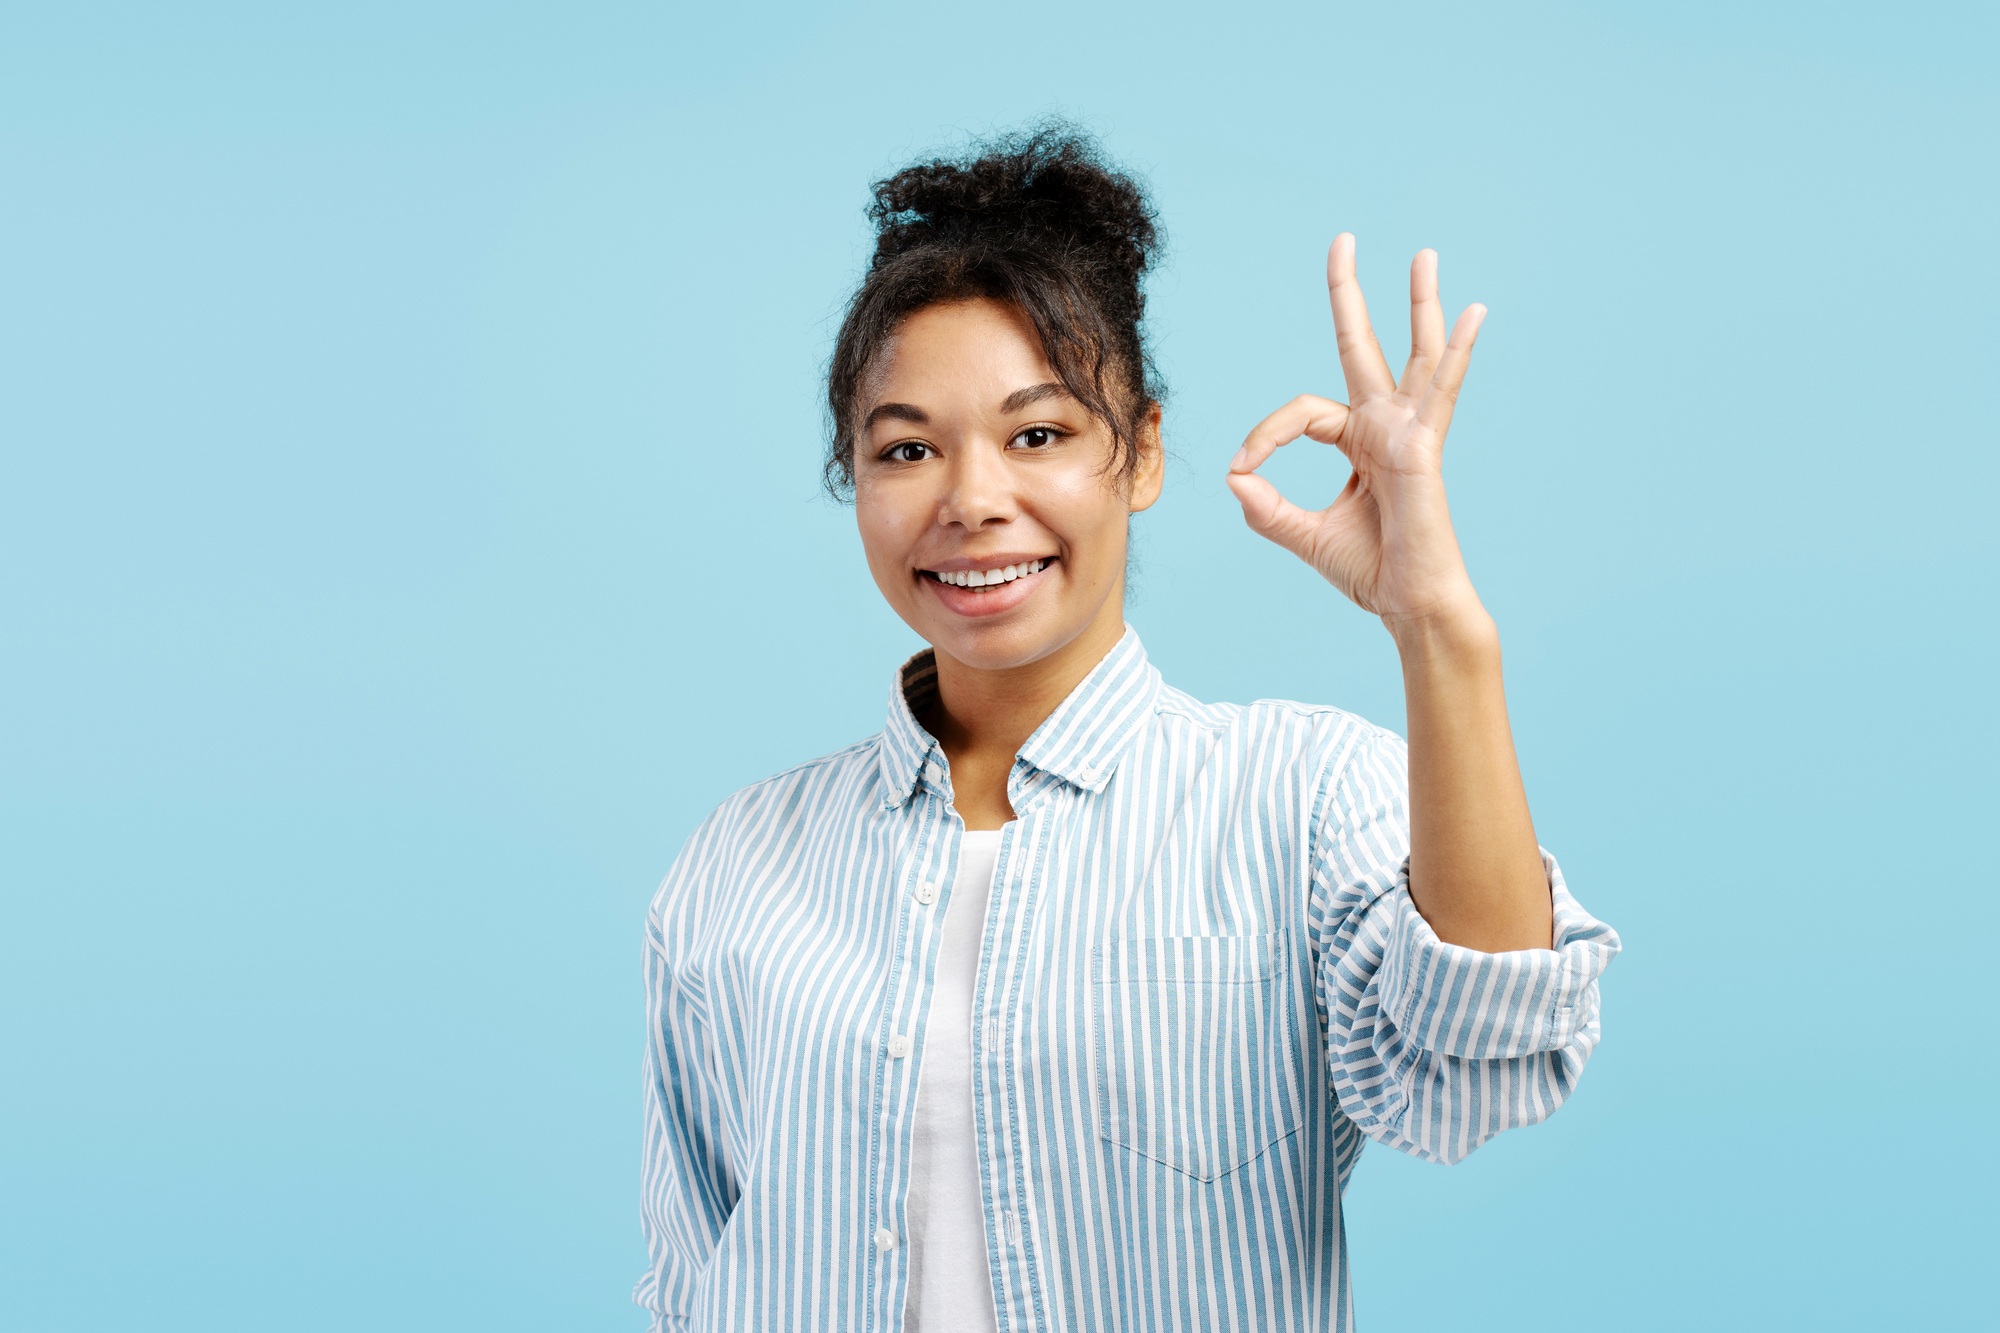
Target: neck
[(982, 717)]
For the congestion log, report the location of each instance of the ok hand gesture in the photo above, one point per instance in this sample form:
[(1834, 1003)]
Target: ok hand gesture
[(1387, 540)]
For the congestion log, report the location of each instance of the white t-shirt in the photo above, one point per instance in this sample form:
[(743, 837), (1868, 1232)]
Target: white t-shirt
[(951, 1285)]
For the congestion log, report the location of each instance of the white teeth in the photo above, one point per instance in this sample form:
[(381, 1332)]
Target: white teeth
[(980, 578)]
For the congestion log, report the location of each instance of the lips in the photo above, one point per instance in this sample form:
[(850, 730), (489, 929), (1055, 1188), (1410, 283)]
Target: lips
[(1003, 583)]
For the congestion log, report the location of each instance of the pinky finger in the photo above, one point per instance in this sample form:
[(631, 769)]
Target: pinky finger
[(1434, 411)]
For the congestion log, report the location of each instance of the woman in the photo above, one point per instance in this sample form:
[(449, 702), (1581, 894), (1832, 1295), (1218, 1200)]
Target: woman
[(1066, 1001)]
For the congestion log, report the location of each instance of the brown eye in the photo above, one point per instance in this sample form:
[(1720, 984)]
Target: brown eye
[(909, 451), (1038, 437)]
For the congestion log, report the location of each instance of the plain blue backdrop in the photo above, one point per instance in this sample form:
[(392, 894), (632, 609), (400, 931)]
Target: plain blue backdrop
[(409, 529)]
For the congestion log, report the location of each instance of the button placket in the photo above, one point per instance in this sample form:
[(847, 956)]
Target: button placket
[(926, 880), (1014, 898), (895, 1086)]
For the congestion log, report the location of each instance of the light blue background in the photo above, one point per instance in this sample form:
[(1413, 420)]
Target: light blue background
[(408, 529)]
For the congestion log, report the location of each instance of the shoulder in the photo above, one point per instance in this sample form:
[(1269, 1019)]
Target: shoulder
[(845, 772), (1326, 739), (769, 814)]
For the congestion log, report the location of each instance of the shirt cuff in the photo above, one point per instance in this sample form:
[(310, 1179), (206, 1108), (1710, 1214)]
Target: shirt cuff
[(1451, 1000)]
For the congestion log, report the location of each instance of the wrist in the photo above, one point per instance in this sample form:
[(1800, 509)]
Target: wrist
[(1455, 630)]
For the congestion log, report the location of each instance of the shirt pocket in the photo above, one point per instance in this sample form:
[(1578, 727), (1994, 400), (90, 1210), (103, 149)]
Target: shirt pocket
[(1194, 1048)]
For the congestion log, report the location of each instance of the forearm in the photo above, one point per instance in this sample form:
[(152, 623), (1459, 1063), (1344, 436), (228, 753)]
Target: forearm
[(1476, 870)]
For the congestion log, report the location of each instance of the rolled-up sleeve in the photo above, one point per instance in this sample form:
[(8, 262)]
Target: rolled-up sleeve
[(1434, 1048)]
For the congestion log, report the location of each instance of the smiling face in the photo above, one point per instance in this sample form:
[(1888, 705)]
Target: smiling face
[(989, 500)]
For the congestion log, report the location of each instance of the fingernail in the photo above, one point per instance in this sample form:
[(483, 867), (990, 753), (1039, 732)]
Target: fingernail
[(1236, 463)]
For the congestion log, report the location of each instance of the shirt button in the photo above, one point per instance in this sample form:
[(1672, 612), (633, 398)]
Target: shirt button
[(883, 1240), (899, 1045), (927, 893)]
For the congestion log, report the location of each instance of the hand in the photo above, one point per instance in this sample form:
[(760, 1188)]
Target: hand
[(1386, 540)]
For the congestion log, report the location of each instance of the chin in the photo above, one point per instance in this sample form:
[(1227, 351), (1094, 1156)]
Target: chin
[(998, 647), (1006, 643)]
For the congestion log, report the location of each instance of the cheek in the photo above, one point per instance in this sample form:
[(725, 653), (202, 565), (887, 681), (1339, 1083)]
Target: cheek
[(888, 532), (1089, 517)]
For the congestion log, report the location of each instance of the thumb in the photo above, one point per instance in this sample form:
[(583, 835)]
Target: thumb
[(1269, 513)]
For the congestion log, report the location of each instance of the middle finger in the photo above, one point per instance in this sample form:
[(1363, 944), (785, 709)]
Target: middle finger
[(1361, 359)]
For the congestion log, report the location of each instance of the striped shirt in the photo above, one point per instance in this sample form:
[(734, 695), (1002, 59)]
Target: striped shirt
[(1202, 984)]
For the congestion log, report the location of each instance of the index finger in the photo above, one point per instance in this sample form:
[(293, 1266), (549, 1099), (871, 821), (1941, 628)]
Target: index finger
[(1309, 415), (1361, 359)]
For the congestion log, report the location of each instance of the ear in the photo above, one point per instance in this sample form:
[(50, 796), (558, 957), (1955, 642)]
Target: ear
[(1151, 473)]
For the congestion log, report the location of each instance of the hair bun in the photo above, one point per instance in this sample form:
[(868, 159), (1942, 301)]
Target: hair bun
[(1035, 220), (1045, 189)]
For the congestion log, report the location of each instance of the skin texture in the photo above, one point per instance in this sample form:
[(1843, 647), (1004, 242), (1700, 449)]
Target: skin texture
[(977, 479), (973, 480)]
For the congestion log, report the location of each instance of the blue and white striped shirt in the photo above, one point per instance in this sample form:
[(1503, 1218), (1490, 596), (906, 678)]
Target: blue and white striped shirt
[(1202, 982)]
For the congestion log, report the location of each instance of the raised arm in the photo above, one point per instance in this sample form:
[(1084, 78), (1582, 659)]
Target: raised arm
[(1476, 873)]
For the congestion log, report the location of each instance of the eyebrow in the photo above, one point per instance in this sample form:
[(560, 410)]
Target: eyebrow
[(1013, 402), (1034, 393), (894, 412)]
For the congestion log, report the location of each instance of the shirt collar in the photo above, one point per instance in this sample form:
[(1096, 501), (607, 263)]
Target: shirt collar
[(1080, 743)]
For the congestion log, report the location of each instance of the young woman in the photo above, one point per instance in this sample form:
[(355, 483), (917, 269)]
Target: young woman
[(1067, 1001)]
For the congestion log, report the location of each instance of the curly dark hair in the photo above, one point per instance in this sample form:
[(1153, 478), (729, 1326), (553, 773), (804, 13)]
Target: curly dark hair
[(1035, 219)]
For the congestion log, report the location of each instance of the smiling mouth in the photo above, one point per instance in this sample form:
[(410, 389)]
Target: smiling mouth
[(978, 580)]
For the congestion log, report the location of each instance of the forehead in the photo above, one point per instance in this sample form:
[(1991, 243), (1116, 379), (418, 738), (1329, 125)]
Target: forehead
[(977, 348)]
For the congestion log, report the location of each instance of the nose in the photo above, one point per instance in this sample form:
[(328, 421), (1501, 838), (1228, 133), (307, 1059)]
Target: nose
[(979, 490)]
